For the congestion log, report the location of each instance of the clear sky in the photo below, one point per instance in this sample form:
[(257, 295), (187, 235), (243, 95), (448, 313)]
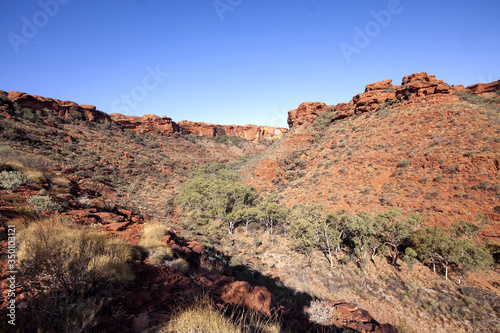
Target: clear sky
[(238, 61)]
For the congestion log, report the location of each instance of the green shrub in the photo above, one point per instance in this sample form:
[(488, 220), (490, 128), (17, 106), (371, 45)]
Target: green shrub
[(403, 163), (11, 180), (39, 203)]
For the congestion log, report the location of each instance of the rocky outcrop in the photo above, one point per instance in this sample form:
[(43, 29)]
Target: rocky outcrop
[(200, 129), (348, 315), (414, 88), (166, 126), (65, 109), (248, 132), (242, 293), (484, 88), (147, 123), (306, 113)]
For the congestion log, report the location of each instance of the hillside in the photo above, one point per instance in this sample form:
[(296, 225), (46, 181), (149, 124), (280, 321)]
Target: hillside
[(275, 230), (422, 146)]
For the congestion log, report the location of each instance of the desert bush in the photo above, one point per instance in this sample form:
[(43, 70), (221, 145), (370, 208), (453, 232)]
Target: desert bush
[(478, 100), (57, 313), (40, 203), (154, 231), (156, 250), (320, 312), (203, 319), (71, 259), (61, 181), (151, 242), (84, 201), (323, 120), (179, 264), (403, 163), (11, 180)]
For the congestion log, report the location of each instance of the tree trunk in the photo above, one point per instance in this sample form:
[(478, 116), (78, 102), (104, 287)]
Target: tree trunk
[(446, 270)]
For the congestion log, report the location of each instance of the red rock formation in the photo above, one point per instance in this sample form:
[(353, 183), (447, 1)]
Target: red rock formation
[(483, 88), (415, 88), (147, 123), (248, 132), (241, 293), (66, 109), (200, 129), (305, 113)]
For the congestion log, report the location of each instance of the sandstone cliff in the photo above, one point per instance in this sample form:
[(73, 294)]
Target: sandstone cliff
[(147, 123), (66, 109), (165, 125)]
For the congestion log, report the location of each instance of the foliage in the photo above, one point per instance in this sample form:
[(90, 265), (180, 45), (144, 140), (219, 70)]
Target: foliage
[(151, 242), (478, 100), (11, 180), (434, 246), (202, 317), (320, 312), (213, 193), (39, 203), (302, 222), (396, 229), (179, 264), (70, 258)]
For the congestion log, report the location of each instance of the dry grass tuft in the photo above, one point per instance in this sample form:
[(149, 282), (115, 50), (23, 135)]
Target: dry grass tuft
[(60, 180), (156, 250), (202, 318), (154, 231), (152, 236), (71, 258), (179, 264)]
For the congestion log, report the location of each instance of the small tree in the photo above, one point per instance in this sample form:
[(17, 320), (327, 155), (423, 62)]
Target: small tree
[(271, 214), (432, 245), (465, 230), (410, 257), (469, 257), (303, 224), (395, 230), (362, 230), (329, 238)]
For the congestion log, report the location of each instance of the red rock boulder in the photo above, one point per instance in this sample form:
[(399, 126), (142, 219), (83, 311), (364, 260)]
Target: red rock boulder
[(241, 293), (306, 113)]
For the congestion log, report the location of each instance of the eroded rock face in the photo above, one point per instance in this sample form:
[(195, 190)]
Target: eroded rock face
[(248, 132), (484, 88), (306, 113), (415, 88), (66, 109), (147, 123), (165, 125)]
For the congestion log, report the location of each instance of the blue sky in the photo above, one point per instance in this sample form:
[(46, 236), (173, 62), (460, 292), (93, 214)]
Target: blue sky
[(238, 61)]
